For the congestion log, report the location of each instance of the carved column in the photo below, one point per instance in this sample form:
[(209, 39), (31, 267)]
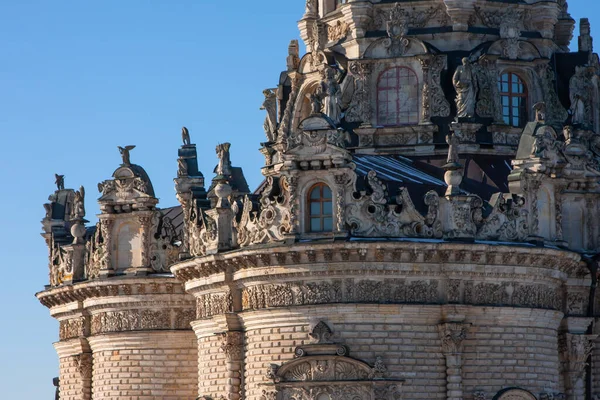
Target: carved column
[(233, 347), (426, 92), (452, 335), (145, 221), (575, 350)]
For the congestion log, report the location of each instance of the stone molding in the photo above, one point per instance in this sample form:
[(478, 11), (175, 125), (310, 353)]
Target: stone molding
[(141, 340), (141, 320), (369, 252), (73, 347), (111, 287)]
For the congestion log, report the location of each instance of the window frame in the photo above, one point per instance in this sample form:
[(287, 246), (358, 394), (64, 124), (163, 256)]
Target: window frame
[(321, 200), (398, 86), (523, 107)]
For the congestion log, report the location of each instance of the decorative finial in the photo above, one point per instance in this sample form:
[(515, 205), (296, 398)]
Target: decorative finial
[(125, 153), (185, 136), (60, 181), (270, 105)]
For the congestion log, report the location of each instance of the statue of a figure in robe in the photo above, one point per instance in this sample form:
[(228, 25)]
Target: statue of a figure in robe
[(466, 90), (331, 94)]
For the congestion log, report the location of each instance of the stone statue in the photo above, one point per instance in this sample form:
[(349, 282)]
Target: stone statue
[(182, 167), (224, 166), (315, 103), (270, 105), (125, 154), (293, 58), (185, 136), (466, 90), (453, 141), (311, 8), (540, 111), (78, 211), (578, 95), (60, 181), (48, 209), (331, 94)]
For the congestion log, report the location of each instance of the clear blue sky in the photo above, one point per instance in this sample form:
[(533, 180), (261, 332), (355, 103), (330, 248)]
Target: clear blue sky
[(78, 78)]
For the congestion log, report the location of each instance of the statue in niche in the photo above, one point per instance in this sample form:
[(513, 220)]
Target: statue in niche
[(270, 105), (185, 136), (78, 204), (466, 90), (125, 154), (224, 166), (331, 94), (60, 181)]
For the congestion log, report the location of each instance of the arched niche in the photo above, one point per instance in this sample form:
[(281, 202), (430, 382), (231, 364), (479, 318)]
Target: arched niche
[(127, 245)]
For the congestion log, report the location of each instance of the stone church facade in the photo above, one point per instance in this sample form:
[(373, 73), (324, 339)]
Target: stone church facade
[(427, 228)]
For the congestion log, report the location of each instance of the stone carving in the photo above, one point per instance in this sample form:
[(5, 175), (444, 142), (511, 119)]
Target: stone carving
[(411, 18), (580, 94), (232, 344), (182, 168), (479, 396), (516, 394), (437, 104), (311, 8), (164, 250), (555, 112), (284, 127), (208, 305), (360, 109), (274, 219), (540, 112), (185, 136), (78, 210), (329, 373), (136, 320), (397, 29), (223, 169), (507, 221), (270, 106), (336, 291), (71, 328), (372, 215), (337, 31), (293, 58), (452, 336), (321, 333), (330, 93), (125, 154), (59, 181), (466, 90), (488, 103), (83, 362), (577, 303)]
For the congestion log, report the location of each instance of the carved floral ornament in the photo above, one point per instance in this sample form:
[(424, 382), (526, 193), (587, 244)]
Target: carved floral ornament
[(325, 370)]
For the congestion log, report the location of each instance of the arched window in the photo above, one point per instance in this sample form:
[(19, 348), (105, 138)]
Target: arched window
[(320, 215), (398, 97), (513, 93)]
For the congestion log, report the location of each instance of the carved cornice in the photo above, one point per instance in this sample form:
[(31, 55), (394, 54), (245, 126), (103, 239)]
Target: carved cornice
[(109, 287), (400, 252)]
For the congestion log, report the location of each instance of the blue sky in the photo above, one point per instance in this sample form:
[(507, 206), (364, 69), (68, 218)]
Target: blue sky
[(79, 78)]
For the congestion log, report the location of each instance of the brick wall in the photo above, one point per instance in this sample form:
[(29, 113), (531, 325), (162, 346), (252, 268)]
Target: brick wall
[(145, 365), (72, 384), (505, 347)]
